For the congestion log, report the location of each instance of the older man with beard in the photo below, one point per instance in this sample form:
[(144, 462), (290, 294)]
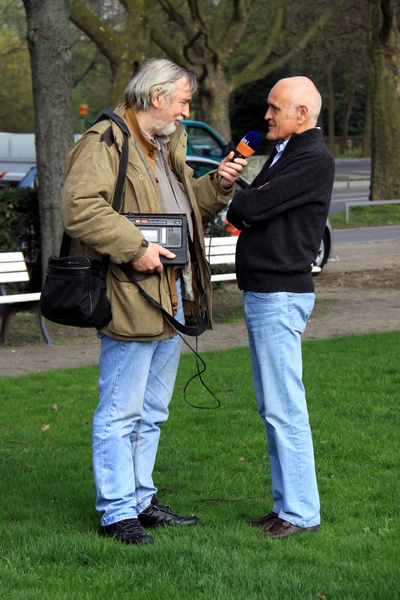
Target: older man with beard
[(140, 349)]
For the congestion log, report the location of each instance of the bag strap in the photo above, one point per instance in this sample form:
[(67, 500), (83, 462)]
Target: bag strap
[(119, 186)]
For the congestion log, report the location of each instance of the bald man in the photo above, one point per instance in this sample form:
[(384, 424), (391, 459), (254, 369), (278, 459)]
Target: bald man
[(282, 217)]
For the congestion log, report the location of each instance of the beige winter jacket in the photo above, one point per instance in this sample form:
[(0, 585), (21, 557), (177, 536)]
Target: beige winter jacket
[(88, 217)]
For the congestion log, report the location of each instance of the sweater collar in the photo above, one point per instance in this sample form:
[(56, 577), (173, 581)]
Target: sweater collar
[(309, 134)]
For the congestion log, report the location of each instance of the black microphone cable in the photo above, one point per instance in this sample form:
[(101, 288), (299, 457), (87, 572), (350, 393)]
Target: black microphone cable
[(198, 375), (201, 370), (246, 147)]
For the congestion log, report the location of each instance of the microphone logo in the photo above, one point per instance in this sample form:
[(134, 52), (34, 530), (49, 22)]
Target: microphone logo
[(248, 145)]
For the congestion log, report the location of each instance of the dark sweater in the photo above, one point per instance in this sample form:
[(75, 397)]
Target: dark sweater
[(282, 223)]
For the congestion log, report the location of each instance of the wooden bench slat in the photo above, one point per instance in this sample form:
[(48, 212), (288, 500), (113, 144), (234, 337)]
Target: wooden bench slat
[(222, 260), (8, 267), (14, 277), (222, 241), (221, 250), (223, 277), (14, 298), (11, 256)]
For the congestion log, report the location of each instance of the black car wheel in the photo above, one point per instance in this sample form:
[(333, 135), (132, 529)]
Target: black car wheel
[(324, 249)]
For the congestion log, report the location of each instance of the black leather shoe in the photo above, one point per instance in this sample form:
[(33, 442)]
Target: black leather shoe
[(129, 531), (158, 514), (264, 521)]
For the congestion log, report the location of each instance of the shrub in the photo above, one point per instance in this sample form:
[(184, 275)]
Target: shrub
[(20, 229)]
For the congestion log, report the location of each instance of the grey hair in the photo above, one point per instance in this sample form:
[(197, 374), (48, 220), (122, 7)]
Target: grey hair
[(157, 75)]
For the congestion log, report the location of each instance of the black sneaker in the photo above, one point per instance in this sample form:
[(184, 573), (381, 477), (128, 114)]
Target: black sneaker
[(158, 514), (129, 531)]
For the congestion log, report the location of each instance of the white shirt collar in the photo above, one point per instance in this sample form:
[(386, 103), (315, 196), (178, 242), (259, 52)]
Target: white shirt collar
[(280, 146)]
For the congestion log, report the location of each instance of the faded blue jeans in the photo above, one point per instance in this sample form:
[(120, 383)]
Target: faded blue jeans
[(275, 323), (135, 384)]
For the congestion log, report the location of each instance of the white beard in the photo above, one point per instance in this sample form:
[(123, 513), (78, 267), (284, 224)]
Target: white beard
[(163, 128), (167, 129)]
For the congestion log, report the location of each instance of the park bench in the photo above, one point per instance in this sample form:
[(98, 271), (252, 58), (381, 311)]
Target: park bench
[(13, 270), (221, 251)]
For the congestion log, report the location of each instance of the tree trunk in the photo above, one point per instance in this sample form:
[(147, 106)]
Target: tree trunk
[(384, 55), (47, 22), (213, 103), (126, 48)]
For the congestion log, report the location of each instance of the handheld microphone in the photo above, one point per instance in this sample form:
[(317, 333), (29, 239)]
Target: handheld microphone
[(247, 145)]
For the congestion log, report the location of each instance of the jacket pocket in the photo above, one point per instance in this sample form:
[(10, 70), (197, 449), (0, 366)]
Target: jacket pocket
[(133, 315)]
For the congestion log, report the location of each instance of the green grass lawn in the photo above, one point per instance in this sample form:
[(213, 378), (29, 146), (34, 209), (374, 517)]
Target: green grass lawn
[(213, 463), (372, 215)]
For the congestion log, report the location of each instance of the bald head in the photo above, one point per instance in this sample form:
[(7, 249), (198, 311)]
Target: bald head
[(294, 106), (301, 91)]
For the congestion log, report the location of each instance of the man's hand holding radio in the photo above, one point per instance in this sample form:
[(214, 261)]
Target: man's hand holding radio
[(150, 261)]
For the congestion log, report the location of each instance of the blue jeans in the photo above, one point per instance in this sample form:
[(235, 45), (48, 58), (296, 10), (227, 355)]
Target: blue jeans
[(135, 384), (275, 323)]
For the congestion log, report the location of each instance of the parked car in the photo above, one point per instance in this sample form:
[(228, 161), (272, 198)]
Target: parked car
[(29, 179), (9, 179), (203, 140), (201, 165)]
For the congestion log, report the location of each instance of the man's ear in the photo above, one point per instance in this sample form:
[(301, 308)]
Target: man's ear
[(303, 113), (156, 98)]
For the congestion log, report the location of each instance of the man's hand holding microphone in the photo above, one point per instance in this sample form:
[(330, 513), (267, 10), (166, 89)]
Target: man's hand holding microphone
[(232, 166)]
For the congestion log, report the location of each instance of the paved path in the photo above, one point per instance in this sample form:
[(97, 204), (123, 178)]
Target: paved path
[(20, 360)]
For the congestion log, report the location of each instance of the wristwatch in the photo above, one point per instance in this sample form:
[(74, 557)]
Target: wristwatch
[(145, 243)]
